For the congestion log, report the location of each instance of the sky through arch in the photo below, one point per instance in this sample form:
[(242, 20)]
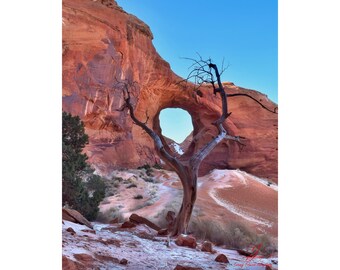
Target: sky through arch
[(176, 124)]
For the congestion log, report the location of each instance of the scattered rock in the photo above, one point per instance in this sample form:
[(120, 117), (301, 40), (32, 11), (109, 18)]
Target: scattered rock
[(113, 242), (114, 221), (145, 235), (69, 229), (69, 264), (222, 258), (244, 252), (141, 220), (106, 258), (123, 261), (89, 231), (86, 260), (83, 257), (186, 240), (128, 224), (76, 217), (163, 232), (181, 267), (207, 247)]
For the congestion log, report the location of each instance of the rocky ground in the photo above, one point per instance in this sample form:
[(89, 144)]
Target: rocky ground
[(223, 196), (108, 246)]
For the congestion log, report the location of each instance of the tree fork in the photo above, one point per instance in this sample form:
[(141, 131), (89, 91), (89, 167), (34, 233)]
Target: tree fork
[(204, 72)]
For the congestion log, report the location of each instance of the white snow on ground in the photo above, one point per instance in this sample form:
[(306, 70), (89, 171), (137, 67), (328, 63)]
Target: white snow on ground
[(153, 253), (232, 178), (218, 175), (232, 208), (241, 176), (260, 180), (177, 148), (145, 254)]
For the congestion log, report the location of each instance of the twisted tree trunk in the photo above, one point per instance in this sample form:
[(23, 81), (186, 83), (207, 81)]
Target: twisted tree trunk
[(206, 72)]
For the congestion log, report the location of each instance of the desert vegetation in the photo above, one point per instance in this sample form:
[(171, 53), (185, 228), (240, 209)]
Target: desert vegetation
[(82, 190), (231, 235), (111, 214)]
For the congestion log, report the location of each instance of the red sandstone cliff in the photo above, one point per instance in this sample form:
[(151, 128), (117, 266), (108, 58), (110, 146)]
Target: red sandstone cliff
[(102, 44)]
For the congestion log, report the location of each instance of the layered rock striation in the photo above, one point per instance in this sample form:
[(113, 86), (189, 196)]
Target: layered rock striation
[(102, 46)]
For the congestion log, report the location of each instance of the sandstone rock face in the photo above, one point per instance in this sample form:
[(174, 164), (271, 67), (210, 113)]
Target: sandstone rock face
[(102, 44)]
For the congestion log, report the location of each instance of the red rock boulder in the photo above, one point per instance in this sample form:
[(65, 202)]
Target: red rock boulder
[(186, 241), (207, 247), (70, 230), (222, 258), (128, 225), (141, 220), (75, 217)]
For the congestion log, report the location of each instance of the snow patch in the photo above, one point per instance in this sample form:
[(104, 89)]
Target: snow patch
[(177, 148), (263, 181), (231, 208), (150, 254)]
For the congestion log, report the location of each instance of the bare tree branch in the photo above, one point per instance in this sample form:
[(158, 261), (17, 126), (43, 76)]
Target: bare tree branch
[(172, 161), (249, 96), (204, 72)]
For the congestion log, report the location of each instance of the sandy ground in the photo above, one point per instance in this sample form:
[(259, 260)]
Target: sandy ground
[(223, 195)]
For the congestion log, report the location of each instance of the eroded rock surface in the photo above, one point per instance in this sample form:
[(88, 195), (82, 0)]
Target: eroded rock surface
[(102, 44)]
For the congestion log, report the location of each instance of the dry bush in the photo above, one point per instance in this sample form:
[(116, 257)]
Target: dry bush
[(159, 218), (140, 206), (112, 185), (112, 213), (234, 235)]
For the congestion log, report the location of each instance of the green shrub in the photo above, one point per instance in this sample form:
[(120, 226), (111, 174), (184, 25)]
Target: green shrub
[(81, 189), (157, 166), (149, 180), (138, 197), (116, 178), (146, 167)]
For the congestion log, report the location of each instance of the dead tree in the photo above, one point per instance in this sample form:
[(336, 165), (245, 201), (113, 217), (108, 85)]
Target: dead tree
[(204, 72)]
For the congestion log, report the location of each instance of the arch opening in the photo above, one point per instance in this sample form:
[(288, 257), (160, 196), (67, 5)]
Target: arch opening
[(177, 128)]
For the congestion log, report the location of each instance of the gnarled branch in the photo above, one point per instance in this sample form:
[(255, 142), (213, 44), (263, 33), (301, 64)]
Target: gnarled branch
[(169, 159)]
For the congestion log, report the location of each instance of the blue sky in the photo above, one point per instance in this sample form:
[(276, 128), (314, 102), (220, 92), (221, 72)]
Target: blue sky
[(242, 32), (175, 123)]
